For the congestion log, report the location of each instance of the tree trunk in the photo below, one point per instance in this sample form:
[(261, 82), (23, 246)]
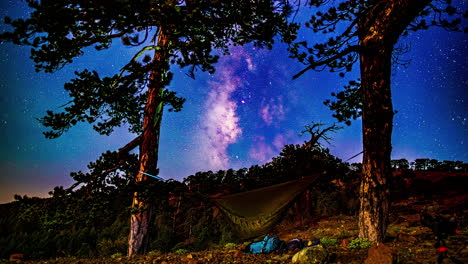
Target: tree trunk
[(142, 210), (378, 33), (377, 120)]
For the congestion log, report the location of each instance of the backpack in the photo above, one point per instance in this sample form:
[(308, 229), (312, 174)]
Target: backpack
[(267, 245), (272, 243), (254, 248), (294, 244)]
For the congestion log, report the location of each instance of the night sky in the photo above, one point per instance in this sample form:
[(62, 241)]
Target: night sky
[(240, 116)]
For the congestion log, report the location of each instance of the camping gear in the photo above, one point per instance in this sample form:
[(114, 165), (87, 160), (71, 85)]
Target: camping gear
[(156, 177), (311, 255), (313, 242), (254, 212), (294, 244), (270, 243)]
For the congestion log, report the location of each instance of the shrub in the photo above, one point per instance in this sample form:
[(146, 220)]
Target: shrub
[(108, 247), (164, 240), (117, 255), (326, 203), (230, 246), (360, 243), (181, 251), (154, 253), (328, 241), (203, 237), (180, 245)]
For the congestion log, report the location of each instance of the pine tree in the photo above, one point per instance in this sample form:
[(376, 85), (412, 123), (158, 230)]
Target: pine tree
[(168, 32), (368, 31)]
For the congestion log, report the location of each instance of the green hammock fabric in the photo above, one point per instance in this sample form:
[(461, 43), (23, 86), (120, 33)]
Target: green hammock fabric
[(254, 213)]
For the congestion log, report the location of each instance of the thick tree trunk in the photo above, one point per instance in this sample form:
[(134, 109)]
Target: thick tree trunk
[(378, 33), (142, 215), (377, 120)]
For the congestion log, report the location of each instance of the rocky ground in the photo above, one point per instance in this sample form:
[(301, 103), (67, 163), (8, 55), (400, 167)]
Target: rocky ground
[(409, 242)]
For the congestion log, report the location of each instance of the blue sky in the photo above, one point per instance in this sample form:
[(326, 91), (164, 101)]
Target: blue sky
[(240, 116)]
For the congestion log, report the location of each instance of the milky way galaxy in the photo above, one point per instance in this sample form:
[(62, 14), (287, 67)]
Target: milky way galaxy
[(241, 115)]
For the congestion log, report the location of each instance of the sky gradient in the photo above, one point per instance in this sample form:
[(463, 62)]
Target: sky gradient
[(240, 116)]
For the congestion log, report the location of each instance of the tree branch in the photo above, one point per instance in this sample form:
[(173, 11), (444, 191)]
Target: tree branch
[(101, 38), (129, 147), (314, 65), (120, 154)]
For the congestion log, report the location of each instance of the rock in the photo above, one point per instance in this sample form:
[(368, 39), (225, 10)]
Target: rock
[(380, 254), (313, 255), (345, 243), (406, 237), (17, 256)]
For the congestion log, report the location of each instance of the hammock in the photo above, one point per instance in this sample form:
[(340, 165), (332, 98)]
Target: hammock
[(254, 213)]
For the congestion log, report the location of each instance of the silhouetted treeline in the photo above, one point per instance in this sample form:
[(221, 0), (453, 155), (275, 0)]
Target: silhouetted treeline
[(423, 164), (93, 220)]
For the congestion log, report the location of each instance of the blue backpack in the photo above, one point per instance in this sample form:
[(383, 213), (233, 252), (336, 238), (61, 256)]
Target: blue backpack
[(267, 245)]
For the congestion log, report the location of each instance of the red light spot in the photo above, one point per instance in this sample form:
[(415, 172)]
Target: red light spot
[(442, 249), (456, 230)]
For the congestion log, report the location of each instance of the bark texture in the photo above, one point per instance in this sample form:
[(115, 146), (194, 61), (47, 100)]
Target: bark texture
[(142, 215), (377, 122), (378, 32)]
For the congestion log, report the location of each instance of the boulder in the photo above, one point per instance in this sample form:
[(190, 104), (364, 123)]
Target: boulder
[(380, 254), (313, 255)]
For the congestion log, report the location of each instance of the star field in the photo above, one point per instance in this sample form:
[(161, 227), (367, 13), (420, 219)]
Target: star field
[(240, 116)]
